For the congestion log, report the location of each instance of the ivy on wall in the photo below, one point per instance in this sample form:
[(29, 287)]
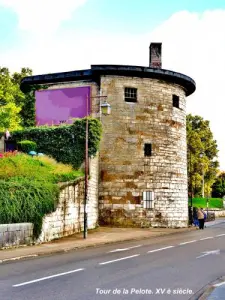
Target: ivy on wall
[(65, 143)]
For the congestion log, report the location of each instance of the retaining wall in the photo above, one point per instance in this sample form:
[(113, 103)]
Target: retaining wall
[(16, 234), (68, 218), (218, 213)]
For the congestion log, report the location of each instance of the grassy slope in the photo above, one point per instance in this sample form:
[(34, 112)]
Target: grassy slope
[(37, 168)]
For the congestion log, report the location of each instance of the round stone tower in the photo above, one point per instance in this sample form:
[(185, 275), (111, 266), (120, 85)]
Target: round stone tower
[(143, 156)]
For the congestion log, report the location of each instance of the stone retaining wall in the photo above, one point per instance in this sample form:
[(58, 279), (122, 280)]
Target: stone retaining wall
[(16, 234), (68, 218), (218, 213)]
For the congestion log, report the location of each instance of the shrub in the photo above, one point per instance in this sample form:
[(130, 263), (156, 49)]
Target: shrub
[(27, 146), (65, 143), (24, 200)]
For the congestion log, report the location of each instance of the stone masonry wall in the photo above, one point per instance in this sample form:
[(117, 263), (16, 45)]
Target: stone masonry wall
[(218, 212), (69, 214), (125, 172), (16, 234)]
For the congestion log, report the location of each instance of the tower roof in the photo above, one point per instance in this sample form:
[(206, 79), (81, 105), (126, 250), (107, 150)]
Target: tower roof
[(96, 71)]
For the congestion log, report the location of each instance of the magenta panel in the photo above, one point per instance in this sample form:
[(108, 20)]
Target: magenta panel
[(57, 106)]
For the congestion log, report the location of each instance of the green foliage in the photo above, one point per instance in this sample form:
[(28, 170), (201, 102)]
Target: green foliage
[(202, 202), (27, 146), (28, 109), (11, 98), (9, 117), (29, 189), (65, 143), (25, 200), (17, 108), (202, 155), (27, 103), (37, 168), (218, 188)]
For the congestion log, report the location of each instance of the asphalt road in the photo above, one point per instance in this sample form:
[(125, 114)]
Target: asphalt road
[(169, 267)]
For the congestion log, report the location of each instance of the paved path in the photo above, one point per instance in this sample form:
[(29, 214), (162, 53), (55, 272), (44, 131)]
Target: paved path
[(174, 266)]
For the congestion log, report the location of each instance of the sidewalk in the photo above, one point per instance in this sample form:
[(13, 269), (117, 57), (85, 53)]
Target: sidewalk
[(96, 237)]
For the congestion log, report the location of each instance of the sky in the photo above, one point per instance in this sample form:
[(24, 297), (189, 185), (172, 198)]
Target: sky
[(56, 36)]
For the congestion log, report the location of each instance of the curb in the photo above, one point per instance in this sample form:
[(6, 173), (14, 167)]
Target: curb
[(66, 250)]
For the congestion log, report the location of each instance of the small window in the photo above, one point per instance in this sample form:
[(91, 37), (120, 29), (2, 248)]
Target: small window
[(148, 149), (148, 200), (130, 94), (175, 101)]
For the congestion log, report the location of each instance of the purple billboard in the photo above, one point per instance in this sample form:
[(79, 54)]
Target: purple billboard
[(57, 106)]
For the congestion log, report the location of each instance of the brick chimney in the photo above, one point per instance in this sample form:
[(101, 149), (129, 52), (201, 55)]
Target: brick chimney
[(155, 55)]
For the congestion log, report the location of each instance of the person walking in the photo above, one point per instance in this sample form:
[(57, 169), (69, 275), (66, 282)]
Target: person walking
[(195, 217), (201, 218)]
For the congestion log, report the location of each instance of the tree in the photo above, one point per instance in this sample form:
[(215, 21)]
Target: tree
[(17, 108), (202, 155), (9, 117), (218, 188), (10, 94), (27, 104)]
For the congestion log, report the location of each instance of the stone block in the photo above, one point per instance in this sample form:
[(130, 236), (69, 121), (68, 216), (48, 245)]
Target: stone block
[(1, 240), (3, 228)]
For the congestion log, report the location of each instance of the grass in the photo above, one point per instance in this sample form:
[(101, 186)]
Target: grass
[(36, 168), (202, 202)]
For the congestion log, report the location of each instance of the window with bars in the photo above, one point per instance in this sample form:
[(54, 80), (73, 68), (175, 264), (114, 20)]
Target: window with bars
[(176, 101), (148, 199), (130, 94)]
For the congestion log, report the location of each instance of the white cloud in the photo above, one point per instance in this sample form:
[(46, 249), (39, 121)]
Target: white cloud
[(193, 44), (42, 16)]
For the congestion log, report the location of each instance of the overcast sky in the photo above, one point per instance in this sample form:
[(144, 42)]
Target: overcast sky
[(54, 35)]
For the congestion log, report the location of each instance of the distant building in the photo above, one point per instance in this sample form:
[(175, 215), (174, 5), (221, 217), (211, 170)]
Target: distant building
[(143, 155)]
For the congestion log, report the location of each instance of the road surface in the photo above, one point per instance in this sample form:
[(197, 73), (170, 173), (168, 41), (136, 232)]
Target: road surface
[(169, 267)]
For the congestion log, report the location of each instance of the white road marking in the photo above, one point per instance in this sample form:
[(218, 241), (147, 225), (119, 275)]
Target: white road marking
[(209, 252), (48, 277), (115, 260), (219, 284), (220, 235), (124, 249), (188, 242), (206, 238), (160, 249)]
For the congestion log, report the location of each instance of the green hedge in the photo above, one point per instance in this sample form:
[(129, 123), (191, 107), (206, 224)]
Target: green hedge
[(202, 202), (27, 146), (24, 200), (65, 143)]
